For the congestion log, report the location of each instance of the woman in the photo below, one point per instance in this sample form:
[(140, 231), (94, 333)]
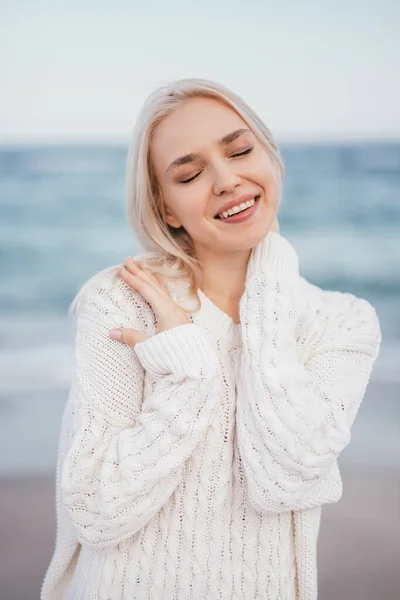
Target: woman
[(215, 387)]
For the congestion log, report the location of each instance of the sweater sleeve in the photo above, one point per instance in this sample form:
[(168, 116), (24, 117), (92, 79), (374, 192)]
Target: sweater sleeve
[(294, 417), (127, 452)]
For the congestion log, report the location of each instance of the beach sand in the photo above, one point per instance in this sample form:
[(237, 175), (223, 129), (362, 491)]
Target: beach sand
[(358, 547)]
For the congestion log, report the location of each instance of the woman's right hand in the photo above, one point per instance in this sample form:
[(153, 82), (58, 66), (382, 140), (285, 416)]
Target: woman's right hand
[(169, 314)]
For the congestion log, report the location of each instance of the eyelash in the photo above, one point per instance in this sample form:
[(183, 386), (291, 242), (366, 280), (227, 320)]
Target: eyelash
[(233, 156)]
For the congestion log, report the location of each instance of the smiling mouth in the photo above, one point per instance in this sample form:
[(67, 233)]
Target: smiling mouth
[(238, 213)]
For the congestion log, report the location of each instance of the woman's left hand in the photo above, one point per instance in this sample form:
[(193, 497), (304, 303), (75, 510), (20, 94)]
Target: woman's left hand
[(168, 313)]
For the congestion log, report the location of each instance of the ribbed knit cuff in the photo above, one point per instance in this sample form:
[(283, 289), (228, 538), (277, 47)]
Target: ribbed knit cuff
[(183, 350), (274, 254)]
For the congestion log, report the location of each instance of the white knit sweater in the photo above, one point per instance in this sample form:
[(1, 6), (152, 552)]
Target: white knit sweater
[(194, 465)]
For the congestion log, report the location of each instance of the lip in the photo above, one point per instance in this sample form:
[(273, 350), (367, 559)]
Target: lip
[(242, 216), (236, 202)]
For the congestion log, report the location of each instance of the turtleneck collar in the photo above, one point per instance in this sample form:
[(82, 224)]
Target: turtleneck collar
[(210, 316)]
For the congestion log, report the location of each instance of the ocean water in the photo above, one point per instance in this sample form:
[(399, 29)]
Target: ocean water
[(62, 218)]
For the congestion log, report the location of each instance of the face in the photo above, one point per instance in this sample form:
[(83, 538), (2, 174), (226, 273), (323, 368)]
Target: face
[(204, 157)]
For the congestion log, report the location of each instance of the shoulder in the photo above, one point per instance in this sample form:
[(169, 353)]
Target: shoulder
[(330, 317), (333, 304), (109, 298)]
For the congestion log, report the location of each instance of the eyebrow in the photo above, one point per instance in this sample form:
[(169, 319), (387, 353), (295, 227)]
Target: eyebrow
[(225, 141)]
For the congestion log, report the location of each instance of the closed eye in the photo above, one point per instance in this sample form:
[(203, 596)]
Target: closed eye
[(242, 153), (191, 178), (233, 156)]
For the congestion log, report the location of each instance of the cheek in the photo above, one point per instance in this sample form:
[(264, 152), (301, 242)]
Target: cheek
[(190, 204), (267, 176)]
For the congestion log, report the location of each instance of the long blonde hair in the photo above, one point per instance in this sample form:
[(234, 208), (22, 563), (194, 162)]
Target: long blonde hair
[(169, 252)]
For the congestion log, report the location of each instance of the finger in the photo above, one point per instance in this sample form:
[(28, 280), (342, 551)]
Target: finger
[(148, 290), (127, 336), (154, 277), (140, 270)]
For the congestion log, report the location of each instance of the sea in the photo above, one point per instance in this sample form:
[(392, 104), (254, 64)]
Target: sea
[(63, 218)]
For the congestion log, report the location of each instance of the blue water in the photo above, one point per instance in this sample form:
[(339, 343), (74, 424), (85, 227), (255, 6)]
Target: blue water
[(62, 218)]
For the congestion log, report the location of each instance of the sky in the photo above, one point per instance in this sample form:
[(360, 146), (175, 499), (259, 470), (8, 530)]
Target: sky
[(313, 70)]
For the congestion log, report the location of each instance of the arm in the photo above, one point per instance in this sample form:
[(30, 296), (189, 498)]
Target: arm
[(294, 419), (126, 455)]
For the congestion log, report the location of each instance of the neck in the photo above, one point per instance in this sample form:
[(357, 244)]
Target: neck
[(224, 277)]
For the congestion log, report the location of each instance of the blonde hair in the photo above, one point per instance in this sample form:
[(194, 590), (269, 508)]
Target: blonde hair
[(169, 252)]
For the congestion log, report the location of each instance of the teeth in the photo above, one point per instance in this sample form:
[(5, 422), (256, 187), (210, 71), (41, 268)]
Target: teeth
[(238, 208)]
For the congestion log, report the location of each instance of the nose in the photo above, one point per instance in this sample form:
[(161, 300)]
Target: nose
[(225, 179)]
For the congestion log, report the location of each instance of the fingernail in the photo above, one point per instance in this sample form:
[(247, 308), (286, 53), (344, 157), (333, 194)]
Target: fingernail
[(116, 334)]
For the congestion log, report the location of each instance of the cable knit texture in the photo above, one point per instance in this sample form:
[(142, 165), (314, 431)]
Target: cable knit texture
[(193, 466)]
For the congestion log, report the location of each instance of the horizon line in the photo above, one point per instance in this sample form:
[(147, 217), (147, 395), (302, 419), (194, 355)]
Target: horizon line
[(43, 143)]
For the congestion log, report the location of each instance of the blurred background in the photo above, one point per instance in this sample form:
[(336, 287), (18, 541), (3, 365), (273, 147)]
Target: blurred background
[(325, 78)]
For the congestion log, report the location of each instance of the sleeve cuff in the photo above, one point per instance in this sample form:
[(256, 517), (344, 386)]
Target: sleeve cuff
[(274, 254), (183, 351)]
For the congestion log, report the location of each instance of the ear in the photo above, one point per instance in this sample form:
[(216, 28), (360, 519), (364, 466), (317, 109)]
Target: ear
[(172, 220)]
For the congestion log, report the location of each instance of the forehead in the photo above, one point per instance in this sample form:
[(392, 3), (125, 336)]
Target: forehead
[(192, 127)]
